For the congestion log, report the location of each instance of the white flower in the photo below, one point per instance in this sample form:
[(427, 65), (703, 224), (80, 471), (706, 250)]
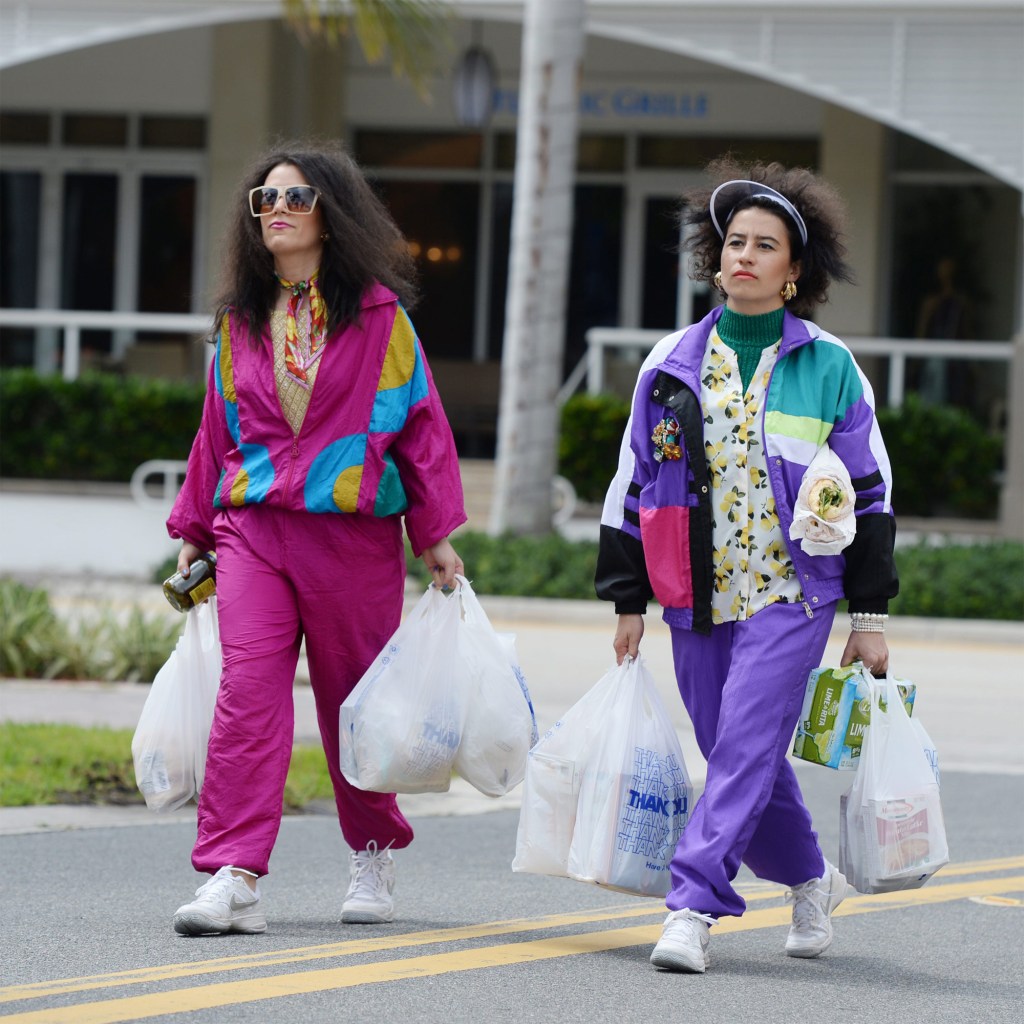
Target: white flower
[(823, 519)]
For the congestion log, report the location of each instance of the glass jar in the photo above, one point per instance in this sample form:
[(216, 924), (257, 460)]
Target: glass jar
[(184, 592)]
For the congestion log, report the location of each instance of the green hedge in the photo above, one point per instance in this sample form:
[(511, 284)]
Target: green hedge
[(522, 566), (943, 462), (36, 642), (99, 427), (588, 449), (943, 581), (969, 581)]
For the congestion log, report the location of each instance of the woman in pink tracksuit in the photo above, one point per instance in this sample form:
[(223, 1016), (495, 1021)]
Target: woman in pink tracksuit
[(321, 429)]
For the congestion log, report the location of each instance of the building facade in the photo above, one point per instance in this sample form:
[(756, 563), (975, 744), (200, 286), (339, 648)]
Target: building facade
[(124, 129)]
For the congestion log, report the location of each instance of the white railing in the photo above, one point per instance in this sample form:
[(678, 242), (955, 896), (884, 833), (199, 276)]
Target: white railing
[(73, 321), (602, 340), (170, 472)]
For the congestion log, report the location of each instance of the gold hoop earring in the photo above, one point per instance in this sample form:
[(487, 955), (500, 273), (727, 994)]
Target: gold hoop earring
[(717, 281), (788, 291)]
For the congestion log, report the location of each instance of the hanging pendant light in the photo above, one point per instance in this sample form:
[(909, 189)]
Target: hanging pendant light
[(473, 87)]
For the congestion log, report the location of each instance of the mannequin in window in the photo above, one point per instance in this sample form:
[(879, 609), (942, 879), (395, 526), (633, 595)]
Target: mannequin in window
[(945, 315)]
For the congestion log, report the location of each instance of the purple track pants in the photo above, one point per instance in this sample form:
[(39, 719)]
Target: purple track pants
[(338, 580), (743, 688)]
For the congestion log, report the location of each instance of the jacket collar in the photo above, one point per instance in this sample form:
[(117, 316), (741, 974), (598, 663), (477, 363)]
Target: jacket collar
[(685, 358), (377, 295), (796, 332)]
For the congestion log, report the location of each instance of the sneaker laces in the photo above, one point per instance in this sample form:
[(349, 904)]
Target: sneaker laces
[(808, 904), (685, 916), (220, 885), (368, 867)]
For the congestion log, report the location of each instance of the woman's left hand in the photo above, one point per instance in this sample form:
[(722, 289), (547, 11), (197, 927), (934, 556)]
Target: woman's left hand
[(443, 562), (869, 648)]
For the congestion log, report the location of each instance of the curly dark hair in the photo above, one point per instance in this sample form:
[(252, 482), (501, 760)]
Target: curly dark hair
[(821, 259), (364, 244)]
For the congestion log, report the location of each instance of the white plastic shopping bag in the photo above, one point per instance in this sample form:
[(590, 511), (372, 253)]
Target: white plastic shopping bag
[(892, 834), (401, 725), (607, 793), (931, 753), (500, 727), (170, 741), (554, 771), (635, 794)]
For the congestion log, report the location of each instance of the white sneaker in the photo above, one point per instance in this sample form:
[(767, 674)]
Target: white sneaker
[(369, 899), (813, 904), (224, 904), (683, 945)]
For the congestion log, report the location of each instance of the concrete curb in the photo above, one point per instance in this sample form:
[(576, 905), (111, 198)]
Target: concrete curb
[(462, 799)]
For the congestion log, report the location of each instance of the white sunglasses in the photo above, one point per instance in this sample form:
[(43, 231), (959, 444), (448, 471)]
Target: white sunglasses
[(297, 199)]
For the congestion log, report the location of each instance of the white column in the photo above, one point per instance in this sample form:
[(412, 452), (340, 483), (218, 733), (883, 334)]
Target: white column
[(1011, 518), (553, 36), (239, 123)]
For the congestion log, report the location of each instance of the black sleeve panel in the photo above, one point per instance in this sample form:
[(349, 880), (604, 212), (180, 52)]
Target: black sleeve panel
[(870, 580), (622, 572)]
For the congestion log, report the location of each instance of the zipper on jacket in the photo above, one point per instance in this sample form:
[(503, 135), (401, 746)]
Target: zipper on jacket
[(807, 608), (291, 465)]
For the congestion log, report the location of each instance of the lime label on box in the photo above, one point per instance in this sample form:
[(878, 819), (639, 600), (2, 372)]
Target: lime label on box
[(835, 714)]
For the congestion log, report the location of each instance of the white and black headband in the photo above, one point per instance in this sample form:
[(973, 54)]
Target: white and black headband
[(728, 195)]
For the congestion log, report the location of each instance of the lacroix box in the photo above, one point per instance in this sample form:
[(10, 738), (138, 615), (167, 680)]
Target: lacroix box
[(835, 713), (825, 717)]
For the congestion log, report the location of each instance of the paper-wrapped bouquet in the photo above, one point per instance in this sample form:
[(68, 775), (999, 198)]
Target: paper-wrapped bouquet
[(823, 519)]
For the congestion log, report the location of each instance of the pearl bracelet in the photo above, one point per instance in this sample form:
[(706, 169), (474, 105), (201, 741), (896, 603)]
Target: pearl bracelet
[(868, 622)]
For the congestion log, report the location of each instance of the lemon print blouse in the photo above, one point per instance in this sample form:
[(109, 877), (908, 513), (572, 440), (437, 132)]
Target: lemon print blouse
[(752, 567)]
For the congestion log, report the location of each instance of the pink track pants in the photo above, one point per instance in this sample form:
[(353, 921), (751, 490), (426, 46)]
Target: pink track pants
[(338, 580)]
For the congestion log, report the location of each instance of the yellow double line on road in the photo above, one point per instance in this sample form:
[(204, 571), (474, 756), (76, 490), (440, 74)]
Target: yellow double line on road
[(257, 989)]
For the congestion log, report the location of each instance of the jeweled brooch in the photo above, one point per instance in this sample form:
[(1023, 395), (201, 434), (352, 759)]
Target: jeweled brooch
[(666, 440)]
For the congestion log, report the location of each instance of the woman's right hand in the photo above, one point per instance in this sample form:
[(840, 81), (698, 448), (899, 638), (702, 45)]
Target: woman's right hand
[(628, 635), (186, 556)]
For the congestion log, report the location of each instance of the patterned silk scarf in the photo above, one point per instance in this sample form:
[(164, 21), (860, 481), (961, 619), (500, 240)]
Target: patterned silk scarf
[(300, 354)]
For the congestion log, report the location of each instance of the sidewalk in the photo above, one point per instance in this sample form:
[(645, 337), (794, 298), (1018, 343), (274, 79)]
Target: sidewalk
[(967, 672), (50, 530)]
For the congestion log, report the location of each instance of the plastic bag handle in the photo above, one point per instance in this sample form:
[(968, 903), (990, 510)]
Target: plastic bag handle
[(472, 610), (887, 688)]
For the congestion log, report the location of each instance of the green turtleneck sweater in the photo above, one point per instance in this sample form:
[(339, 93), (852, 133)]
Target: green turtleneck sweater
[(749, 336)]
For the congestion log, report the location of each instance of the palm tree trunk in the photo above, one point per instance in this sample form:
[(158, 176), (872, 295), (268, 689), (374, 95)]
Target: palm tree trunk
[(553, 35)]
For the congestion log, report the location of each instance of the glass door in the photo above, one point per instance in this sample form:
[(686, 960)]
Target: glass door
[(658, 294)]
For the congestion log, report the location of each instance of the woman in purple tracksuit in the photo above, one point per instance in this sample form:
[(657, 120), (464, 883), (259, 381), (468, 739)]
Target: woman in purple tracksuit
[(726, 417), (321, 432)]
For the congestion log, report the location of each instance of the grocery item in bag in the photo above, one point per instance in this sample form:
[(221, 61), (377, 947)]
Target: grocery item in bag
[(630, 821), (401, 726), (554, 773), (634, 792), (499, 727), (892, 834)]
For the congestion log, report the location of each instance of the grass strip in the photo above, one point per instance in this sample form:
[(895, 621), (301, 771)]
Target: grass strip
[(68, 764)]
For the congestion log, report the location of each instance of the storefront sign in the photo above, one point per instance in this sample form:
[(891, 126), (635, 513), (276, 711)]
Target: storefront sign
[(624, 102)]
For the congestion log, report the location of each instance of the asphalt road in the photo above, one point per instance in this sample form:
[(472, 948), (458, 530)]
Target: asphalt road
[(86, 895), (87, 936)]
